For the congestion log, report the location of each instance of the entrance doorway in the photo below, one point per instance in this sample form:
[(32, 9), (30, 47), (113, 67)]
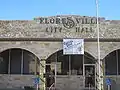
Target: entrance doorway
[(51, 75), (89, 73)]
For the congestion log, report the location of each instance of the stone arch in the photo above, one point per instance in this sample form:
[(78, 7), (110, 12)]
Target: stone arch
[(55, 51), (90, 52), (76, 61), (108, 47), (52, 54), (20, 47), (112, 59), (109, 51), (52, 51), (25, 62)]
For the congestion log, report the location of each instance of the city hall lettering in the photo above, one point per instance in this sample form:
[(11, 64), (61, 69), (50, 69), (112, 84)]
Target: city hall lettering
[(60, 20), (78, 29), (58, 24)]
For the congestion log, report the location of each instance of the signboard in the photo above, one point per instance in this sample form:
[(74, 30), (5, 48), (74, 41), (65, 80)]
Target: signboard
[(73, 46), (108, 81), (76, 23), (36, 80)]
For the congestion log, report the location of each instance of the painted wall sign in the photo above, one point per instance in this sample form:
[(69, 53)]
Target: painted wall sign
[(59, 23)]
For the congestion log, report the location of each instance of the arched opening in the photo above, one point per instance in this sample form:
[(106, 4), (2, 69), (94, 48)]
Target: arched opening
[(112, 59), (70, 65), (112, 68), (18, 61), (76, 62)]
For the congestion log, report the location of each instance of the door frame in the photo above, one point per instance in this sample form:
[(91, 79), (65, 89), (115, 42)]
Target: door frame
[(84, 72), (55, 67)]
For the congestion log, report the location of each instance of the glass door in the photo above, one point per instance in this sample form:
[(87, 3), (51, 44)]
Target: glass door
[(50, 75), (89, 73)]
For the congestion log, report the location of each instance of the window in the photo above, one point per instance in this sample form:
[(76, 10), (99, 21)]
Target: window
[(111, 60), (18, 61), (70, 64), (77, 64), (64, 61), (15, 61)]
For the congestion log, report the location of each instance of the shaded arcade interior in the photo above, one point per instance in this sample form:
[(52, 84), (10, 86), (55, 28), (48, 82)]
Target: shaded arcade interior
[(112, 59), (79, 65), (71, 65), (112, 69), (18, 61)]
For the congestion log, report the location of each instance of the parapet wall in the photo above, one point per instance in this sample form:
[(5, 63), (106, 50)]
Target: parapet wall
[(75, 27)]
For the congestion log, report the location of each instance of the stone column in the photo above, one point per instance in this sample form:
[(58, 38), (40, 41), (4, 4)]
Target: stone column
[(42, 71), (99, 81)]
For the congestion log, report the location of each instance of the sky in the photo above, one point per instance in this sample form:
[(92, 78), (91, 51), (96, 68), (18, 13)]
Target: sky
[(29, 9)]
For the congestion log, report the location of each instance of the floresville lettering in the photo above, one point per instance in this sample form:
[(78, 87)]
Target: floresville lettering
[(78, 23)]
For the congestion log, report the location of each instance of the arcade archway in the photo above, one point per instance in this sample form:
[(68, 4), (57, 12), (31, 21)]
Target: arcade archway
[(112, 68), (18, 61), (71, 65), (112, 59)]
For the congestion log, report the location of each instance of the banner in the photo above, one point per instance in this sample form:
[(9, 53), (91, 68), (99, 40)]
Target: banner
[(73, 46)]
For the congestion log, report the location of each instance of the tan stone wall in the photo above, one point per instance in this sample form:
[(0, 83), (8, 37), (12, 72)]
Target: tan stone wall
[(105, 48), (16, 81), (44, 49), (32, 29), (41, 49)]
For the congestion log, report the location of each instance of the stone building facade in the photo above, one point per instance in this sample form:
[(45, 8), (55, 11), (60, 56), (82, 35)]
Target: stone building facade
[(43, 37)]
